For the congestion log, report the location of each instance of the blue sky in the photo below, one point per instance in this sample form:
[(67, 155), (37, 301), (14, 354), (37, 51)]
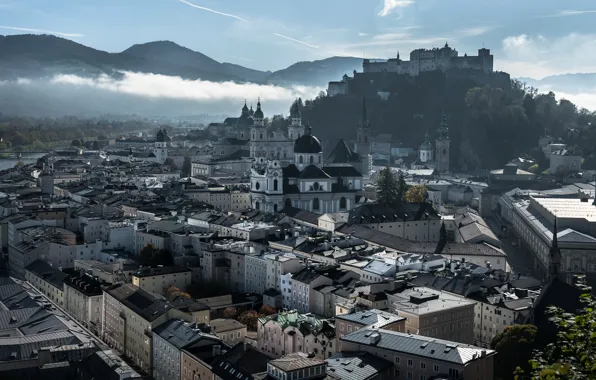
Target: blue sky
[(528, 37)]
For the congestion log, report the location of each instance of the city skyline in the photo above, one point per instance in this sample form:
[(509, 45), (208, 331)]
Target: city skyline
[(271, 35)]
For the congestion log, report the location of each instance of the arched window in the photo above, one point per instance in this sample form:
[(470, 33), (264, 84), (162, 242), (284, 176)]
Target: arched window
[(342, 203), (257, 205), (274, 185), (300, 159), (275, 207), (316, 204), (257, 185), (319, 159), (312, 159), (261, 136)]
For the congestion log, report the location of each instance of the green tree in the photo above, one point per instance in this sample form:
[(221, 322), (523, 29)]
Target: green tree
[(171, 163), (514, 346), (415, 194), (77, 143), (387, 188), (187, 167), (572, 355)]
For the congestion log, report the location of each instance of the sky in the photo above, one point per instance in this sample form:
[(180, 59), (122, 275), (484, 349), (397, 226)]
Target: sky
[(529, 38)]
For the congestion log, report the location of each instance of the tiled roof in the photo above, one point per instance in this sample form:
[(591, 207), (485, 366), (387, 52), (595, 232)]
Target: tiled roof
[(26, 347), (342, 154), (417, 345), (30, 321), (13, 296), (223, 325)]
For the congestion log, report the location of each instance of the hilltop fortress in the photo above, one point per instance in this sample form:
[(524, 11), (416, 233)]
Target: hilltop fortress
[(445, 59)]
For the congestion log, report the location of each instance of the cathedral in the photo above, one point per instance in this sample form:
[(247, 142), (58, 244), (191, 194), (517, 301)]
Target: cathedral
[(290, 170)]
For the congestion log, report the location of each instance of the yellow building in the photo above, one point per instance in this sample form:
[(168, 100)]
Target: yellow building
[(158, 280)]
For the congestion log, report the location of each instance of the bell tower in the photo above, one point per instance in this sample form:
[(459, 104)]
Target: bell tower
[(443, 145), (296, 129), (363, 132)]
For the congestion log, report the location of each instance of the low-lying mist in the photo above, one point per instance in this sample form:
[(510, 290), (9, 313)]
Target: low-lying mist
[(141, 94)]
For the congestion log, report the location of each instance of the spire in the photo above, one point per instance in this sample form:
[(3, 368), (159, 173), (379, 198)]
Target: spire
[(398, 55), (308, 130), (444, 128), (555, 253), (245, 109), (364, 121)]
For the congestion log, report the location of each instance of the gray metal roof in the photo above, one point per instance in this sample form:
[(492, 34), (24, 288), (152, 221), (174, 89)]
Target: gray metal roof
[(25, 347), (374, 317), (356, 366), (178, 333), (417, 345)]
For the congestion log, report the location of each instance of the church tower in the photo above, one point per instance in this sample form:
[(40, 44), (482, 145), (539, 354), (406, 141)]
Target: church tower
[(363, 146), (443, 145), (296, 129), (161, 146), (555, 255)]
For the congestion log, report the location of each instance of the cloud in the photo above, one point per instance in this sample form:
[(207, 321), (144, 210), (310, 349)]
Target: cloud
[(295, 40), (32, 30), (144, 94), (389, 6), (390, 37), (360, 34), (213, 11), (538, 56), (475, 31), (568, 13)]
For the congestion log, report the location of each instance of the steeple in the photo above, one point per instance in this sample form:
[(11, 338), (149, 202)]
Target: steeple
[(555, 254), (364, 122), (443, 128), (245, 109)]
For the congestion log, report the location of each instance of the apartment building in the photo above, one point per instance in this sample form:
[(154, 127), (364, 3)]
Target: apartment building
[(279, 265), (169, 339), (230, 331), (417, 357), (196, 361), (158, 280), (83, 300), (377, 319), (47, 279), (256, 273), (307, 280), (434, 314), (129, 316), (289, 332)]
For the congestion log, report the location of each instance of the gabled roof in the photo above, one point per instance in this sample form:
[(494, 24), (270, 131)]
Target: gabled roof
[(139, 301), (341, 154), (313, 172)]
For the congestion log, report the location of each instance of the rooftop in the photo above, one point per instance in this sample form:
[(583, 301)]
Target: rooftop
[(356, 366), (421, 300), (296, 361), (568, 207), (160, 271), (373, 318), (179, 333), (223, 325), (418, 345), (139, 301)]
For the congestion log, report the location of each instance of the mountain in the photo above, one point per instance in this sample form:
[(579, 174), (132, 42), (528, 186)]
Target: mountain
[(569, 83), (34, 56), (317, 72)]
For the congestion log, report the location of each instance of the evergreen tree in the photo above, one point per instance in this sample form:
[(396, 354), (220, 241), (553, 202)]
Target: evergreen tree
[(387, 188)]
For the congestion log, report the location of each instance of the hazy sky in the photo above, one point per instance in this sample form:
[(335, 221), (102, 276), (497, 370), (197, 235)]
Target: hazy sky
[(528, 37)]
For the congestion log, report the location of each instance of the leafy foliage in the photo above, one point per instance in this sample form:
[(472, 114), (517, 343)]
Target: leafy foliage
[(514, 346), (152, 256), (173, 292), (249, 318), (171, 163), (187, 167), (415, 194), (571, 356), (230, 312), (267, 310), (388, 188)]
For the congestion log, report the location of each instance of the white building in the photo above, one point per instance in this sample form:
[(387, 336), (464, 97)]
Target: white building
[(83, 300)]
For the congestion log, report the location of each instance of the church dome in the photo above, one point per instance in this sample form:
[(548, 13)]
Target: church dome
[(307, 143), (259, 113), (426, 145)]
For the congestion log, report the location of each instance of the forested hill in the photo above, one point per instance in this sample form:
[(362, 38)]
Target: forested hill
[(488, 125)]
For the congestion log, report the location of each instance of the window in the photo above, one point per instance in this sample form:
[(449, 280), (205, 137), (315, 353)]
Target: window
[(312, 159), (397, 360), (410, 376), (436, 368), (453, 372), (343, 203), (274, 185), (410, 363), (422, 377), (422, 365), (316, 204), (300, 159)]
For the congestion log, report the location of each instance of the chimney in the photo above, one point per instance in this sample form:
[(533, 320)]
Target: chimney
[(216, 350)]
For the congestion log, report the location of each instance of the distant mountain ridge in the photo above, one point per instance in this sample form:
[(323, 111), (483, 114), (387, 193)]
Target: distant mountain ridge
[(570, 83), (33, 56)]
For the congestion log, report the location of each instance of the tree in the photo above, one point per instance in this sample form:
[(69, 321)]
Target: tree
[(387, 188), (187, 167), (416, 194), (171, 163), (77, 143), (230, 312), (249, 318), (146, 255), (172, 292), (402, 187), (514, 346), (267, 310), (572, 355), (151, 256)]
